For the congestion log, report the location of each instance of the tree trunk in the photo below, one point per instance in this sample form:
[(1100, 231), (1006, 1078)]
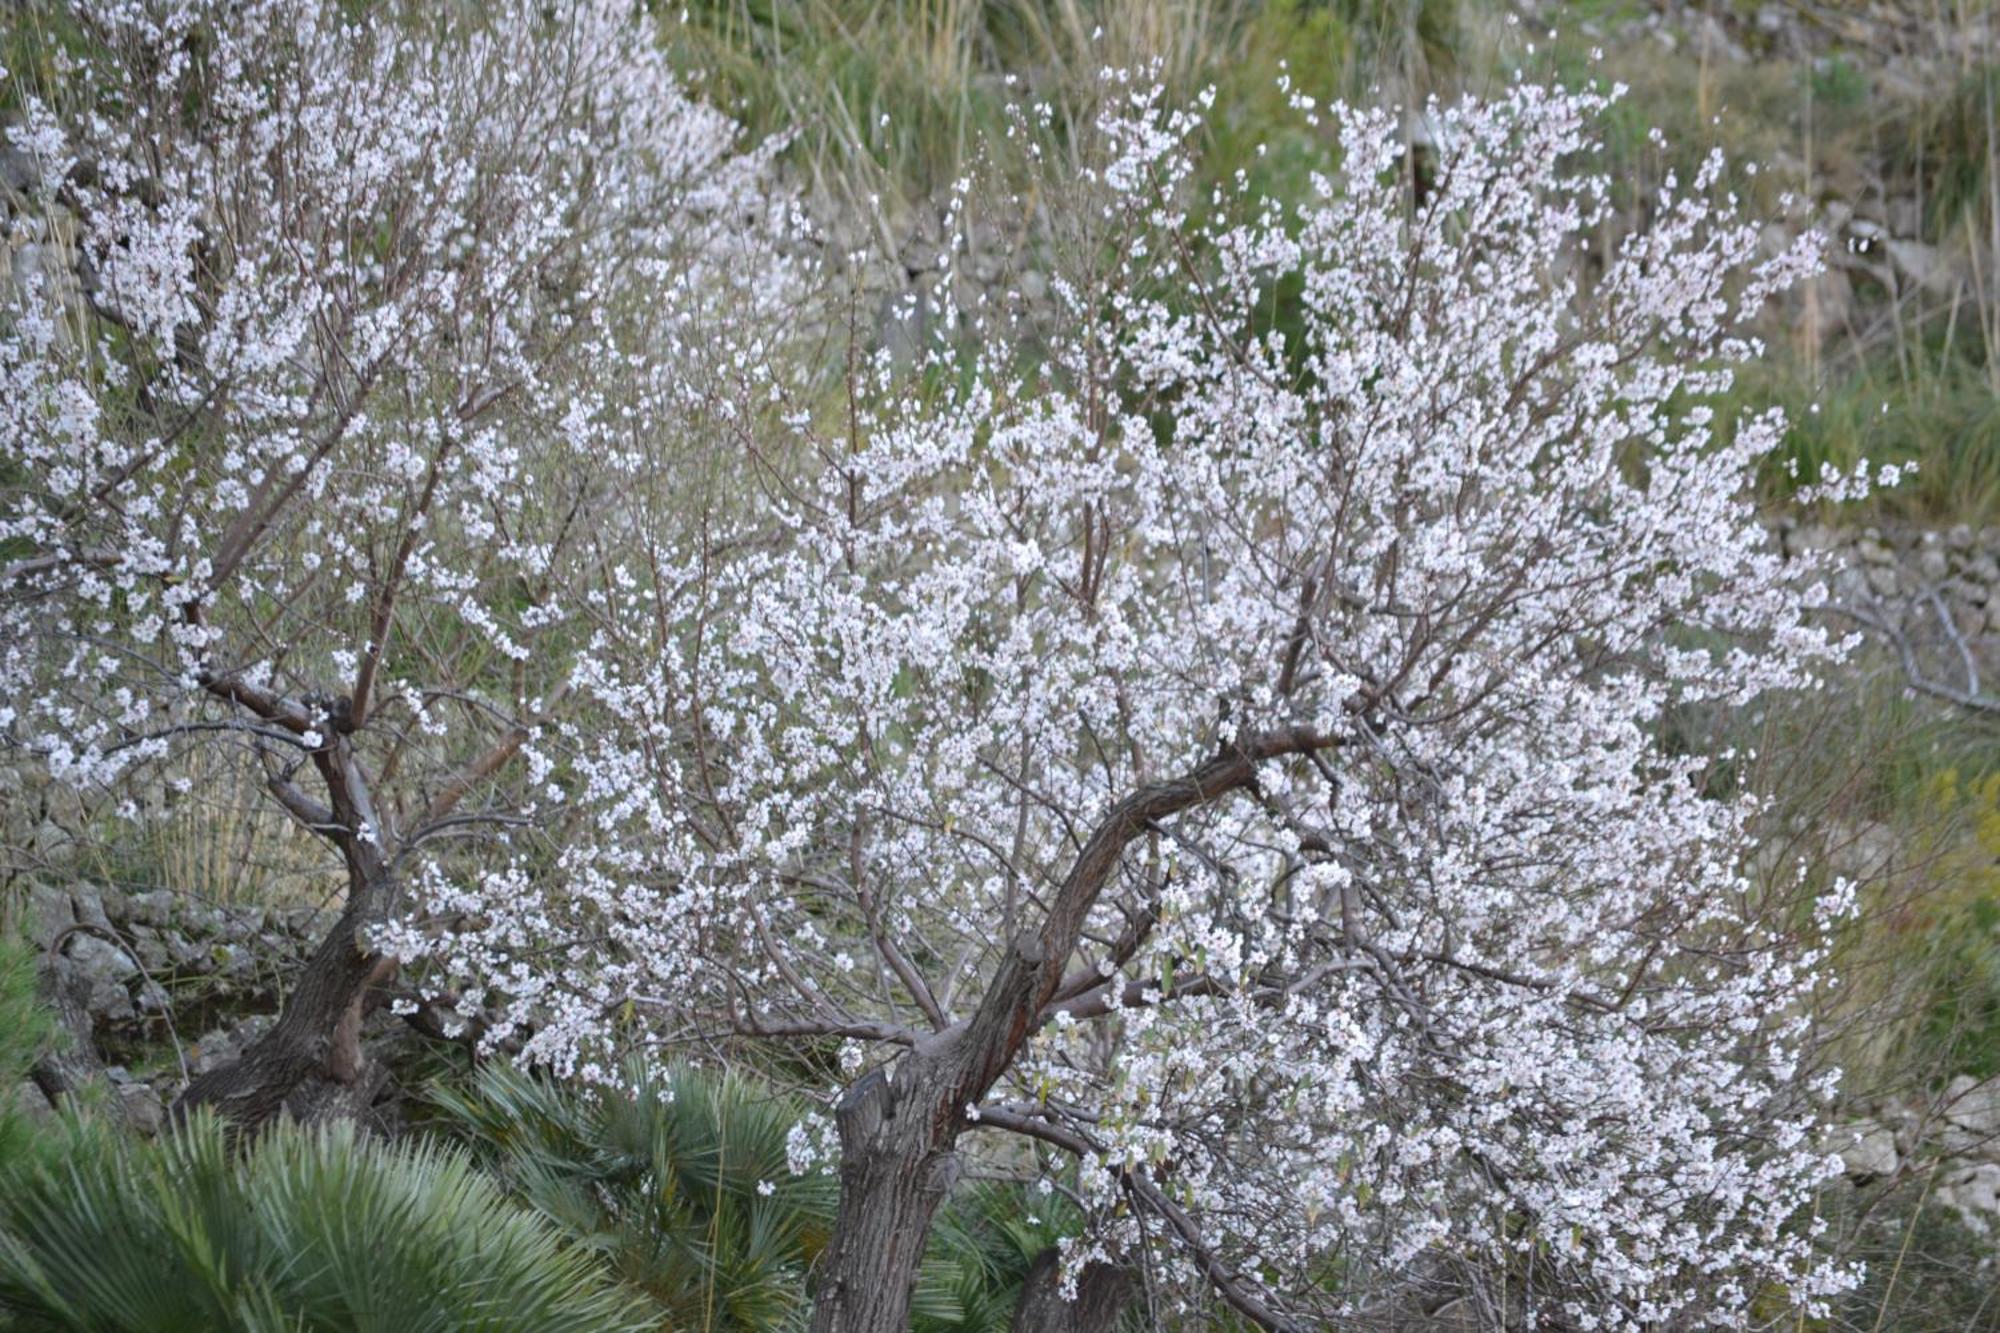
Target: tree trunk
[(896, 1140), (1102, 1294), (317, 1038), (896, 1166)]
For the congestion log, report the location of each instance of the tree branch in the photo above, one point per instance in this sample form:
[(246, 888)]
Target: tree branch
[(1238, 1291)]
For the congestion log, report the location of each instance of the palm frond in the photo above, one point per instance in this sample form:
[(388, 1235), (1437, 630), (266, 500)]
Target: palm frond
[(307, 1229)]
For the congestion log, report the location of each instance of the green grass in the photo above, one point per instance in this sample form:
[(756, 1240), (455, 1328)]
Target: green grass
[(1902, 797), (889, 104), (1940, 415)]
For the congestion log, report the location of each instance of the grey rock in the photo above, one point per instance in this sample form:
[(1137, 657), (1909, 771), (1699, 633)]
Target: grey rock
[(223, 1046), (149, 948), (1968, 617), (153, 908), (1974, 1193), (1870, 550), (306, 923), (89, 905), (27, 1100), (188, 953), (967, 294), (919, 257), (117, 907), (1850, 583), (1975, 1107), (49, 914), (1868, 1148), (244, 924), (1921, 263), (19, 171), (106, 969), (99, 957), (145, 1113), (152, 997), (233, 961)]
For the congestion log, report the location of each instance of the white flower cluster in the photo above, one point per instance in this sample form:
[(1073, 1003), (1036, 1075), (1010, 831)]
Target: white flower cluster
[(331, 336)]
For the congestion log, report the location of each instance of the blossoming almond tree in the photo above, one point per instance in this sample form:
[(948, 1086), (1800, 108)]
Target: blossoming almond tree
[(1232, 760), (327, 336), (1223, 752)]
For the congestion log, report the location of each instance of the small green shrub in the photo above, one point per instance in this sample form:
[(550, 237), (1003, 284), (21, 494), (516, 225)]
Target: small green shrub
[(24, 1027), (306, 1229), (679, 1180), (1939, 414), (981, 1247)]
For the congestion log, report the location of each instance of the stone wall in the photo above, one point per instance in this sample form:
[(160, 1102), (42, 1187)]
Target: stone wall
[(153, 986), (1955, 1134), (1901, 567)]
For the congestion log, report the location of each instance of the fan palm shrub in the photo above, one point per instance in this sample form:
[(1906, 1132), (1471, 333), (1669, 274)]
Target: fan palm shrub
[(982, 1246), (678, 1179), (303, 1230), (24, 1029)]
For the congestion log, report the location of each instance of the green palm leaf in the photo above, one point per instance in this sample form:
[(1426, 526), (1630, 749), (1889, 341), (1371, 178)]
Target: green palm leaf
[(307, 1230)]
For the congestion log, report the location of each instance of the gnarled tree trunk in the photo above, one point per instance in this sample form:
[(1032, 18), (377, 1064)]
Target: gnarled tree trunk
[(317, 1038), (896, 1166), (897, 1138), (316, 1043)]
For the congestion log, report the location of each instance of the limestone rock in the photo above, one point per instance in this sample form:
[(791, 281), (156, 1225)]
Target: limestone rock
[(106, 969), (145, 1112), (49, 914), (1975, 1107), (1868, 1148), (1974, 1193)]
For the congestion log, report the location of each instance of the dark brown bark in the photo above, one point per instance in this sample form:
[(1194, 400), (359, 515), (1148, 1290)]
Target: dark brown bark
[(896, 1166), (897, 1139), (1102, 1293), (317, 1038), (311, 1060)]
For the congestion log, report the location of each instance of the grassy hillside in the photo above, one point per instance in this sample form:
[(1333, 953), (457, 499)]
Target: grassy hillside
[(1876, 129)]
